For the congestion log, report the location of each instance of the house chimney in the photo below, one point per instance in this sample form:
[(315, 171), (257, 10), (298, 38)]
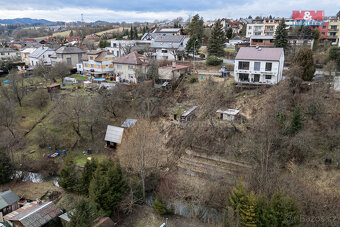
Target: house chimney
[(173, 64)]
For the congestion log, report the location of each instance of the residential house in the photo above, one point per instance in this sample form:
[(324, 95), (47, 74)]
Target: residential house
[(7, 53), (41, 55), (69, 55), (25, 53), (8, 203), (113, 136), (262, 41), (236, 26), (169, 47), (173, 72), (33, 214), (257, 30), (129, 66), (259, 65), (93, 37), (120, 47), (72, 39), (96, 63)]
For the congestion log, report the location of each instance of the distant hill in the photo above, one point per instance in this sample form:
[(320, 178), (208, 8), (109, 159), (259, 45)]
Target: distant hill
[(25, 21)]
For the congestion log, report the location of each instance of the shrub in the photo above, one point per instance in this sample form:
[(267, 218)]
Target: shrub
[(213, 60), (193, 80), (160, 206)]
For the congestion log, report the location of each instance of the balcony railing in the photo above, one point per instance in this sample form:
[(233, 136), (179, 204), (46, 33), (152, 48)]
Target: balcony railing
[(333, 29), (261, 44)]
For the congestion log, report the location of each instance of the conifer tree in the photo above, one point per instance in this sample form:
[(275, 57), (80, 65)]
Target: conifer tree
[(229, 33), (217, 40), (196, 31), (281, 35), (83, 214), (6, 167), (107, 186), (297, 120), (69, 179), (247, 211), (87, 175), (304, 58), (284, 210)]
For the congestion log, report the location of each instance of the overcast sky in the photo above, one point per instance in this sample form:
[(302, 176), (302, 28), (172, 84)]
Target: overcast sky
[(150, 10)]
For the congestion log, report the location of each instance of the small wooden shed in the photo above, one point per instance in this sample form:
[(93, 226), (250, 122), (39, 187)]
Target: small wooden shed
[(53, 88), (113, 136), (228, 114)]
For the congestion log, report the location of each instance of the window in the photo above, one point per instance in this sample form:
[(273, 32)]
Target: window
[(268, 77), (114, 44), (119, 66), (91, 57), (257, 33), (164, 51), (243, 65), (130, 67), (68, 60), (131, 76), (92, 65), (323, 33), (324, 27), (249, 27), (268, 66), (333, 26), (256, 77), (257, 66), (243, 77)]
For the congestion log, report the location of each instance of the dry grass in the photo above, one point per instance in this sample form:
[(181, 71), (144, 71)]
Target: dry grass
[(146, 216), (29, 190)]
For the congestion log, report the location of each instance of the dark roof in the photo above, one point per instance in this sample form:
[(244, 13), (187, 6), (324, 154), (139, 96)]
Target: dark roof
[(132, 59), (34, 214), (8, 198), (261, 54), (170, 38), (5, 50), (69, 50)]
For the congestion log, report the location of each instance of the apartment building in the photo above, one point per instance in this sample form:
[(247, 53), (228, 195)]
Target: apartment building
[(256, 65), (267, 29), (97, 63)]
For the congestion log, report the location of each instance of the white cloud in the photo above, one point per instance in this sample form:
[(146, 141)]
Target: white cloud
[(254, 8)]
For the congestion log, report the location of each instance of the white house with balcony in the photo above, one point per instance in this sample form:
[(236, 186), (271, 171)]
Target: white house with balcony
[(255, 65), (120, 48), (169, 47), (96, 63)]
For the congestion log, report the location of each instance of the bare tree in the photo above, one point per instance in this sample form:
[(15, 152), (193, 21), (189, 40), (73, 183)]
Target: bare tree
[(7, 116), (141, 151)]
